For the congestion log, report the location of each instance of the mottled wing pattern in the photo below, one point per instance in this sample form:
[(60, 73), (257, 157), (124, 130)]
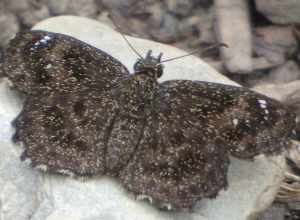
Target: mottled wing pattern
[(40, 61), (183, 154), (246, 122), (68, 113), (176, 163), (66, 134), (257, 125), (128, 126)]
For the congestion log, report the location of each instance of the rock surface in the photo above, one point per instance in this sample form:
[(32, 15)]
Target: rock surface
[(288, 72), (274, 43), (281, 12), (234, 14), (282, 92), (9, 23), (34, 14), (285, 73), (275, 212), (77, 7), (29, 194)]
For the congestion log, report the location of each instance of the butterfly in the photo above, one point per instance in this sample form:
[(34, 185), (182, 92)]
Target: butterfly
[(85, 115)]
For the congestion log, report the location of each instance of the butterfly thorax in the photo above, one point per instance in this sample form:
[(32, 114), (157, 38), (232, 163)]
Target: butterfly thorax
[(137, 94)]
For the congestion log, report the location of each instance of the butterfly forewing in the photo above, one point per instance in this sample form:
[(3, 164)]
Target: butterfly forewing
[(243, 120), (39, 61)]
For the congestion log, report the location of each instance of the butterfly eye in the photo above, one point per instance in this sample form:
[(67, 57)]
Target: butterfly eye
[(159, 70), (137, 66)]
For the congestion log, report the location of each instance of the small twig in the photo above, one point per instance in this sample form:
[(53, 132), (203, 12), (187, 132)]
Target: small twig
[(288, 188), (292, 176)]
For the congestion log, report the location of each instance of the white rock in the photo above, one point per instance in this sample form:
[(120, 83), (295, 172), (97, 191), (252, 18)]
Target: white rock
[(20, 184), (283, 92), (29, 194)]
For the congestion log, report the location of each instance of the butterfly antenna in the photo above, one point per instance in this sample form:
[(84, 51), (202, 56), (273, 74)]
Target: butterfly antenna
[(123, 35), (217, 45)]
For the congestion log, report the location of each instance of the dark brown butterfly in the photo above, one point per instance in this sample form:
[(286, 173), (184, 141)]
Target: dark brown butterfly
[(85, 115)]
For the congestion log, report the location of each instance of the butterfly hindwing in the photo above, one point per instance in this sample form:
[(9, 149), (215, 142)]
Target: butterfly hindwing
[(66, 134), (176, 163)]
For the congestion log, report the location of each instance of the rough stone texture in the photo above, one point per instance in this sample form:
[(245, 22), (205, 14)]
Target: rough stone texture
[(16, 6), (262, 63), (294, 155), (274, 43), (179, 7), (168, 31), (275, 212), (281, 92), (29, 12), (34, 14), (86, 8), (234, 14), (285, 73), (198, 27), (29, 194), (9, 23), (278, 11)]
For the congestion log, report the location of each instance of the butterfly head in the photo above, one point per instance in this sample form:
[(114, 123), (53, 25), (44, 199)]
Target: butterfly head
[(149, 65)]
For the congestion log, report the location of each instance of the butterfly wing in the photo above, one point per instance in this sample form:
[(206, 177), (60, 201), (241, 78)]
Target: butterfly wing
[(246, 122), (68, 112), (183, 155), (66, 134), (176, 163), (40, 61)]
